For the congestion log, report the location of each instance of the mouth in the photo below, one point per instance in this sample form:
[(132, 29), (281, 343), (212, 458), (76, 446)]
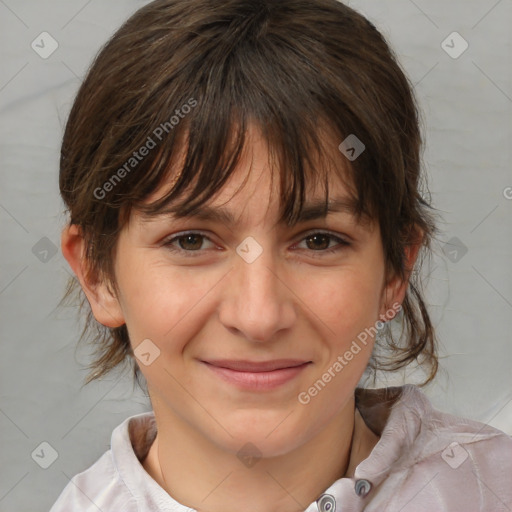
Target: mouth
[(256, 367), (257, 376)]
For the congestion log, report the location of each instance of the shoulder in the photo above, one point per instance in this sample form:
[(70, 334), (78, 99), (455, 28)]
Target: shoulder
[(96, 488), (452, 437), (458, 463), (115, 480)]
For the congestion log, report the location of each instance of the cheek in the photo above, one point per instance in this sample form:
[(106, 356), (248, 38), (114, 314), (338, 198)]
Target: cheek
[(347, 301), (348, 307), (155, 297)]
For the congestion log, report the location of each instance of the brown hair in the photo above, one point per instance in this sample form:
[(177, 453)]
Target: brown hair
[(201, 71)]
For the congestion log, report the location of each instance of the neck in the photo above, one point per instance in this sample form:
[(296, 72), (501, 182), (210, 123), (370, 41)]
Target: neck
[(203, 476)]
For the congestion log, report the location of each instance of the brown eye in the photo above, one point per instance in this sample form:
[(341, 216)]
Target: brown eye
[(318, 241), (187, 243), (322, 243), (191, 242)]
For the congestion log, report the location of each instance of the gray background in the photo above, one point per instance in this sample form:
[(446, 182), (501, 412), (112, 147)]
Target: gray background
[(467, 109)]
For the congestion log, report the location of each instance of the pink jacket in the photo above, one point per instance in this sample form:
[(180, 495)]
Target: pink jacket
[(425, 461)]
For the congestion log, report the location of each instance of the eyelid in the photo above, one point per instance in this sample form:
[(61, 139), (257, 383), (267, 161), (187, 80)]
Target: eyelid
[(323, 231), (168, 239), (343, 242)]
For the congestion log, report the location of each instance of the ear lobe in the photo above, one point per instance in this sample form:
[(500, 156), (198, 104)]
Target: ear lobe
[(395, 290), (105, 306)]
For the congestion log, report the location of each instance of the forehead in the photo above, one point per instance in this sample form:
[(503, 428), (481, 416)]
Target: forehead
[(232, 213), (259, 179)]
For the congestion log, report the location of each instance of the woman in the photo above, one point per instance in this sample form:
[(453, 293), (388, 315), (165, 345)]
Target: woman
[(243, 182)]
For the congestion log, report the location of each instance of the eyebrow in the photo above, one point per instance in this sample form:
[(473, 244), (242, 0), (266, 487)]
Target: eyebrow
[(312, 210)]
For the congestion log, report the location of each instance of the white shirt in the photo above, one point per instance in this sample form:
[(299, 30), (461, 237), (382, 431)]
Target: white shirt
[(424, 461)]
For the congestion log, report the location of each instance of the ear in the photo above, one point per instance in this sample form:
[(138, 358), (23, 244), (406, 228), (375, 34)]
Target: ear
[(395, 290), (105, 306)]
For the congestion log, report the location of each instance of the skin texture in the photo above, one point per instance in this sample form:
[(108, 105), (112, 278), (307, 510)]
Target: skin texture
[(293, 301)]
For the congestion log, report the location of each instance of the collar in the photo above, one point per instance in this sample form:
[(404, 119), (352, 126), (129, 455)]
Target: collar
[(395, 414)]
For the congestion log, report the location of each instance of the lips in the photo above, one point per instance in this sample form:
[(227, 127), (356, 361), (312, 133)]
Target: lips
[(256, 377), (256, 367)]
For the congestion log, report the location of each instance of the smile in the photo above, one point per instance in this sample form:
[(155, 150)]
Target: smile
[(257, 376)]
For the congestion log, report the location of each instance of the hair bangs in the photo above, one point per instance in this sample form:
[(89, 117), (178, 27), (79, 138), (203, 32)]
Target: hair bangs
[(208, 156), (203, 153)]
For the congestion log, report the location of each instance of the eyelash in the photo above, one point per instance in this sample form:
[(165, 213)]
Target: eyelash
[(341, 243)]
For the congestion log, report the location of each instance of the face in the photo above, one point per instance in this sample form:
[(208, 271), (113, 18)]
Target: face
[(202, 291)]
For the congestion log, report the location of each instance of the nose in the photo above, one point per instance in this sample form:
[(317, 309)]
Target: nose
[(258, 302)]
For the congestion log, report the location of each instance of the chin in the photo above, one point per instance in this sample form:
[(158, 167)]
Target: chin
[(249, 448), (263, 439)]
